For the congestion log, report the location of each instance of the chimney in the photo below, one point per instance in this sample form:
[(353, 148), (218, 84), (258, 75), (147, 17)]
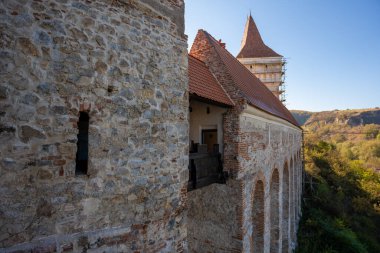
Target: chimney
[(223, 45)]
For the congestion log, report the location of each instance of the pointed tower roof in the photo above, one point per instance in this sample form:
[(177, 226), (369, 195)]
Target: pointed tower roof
[(252, 45)]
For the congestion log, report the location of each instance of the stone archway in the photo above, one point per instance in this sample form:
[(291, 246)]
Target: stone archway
[(274, 212), (296, 187), (297, 168), (300, 184), (285, 209), (258, 215), (292, 200)]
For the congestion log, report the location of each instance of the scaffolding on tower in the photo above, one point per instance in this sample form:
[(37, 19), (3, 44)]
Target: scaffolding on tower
[(282, 87)]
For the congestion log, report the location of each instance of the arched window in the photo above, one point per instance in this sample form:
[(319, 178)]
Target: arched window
[(274, 212), (82, 145), (292, 200), (285, 209), (258, 218)]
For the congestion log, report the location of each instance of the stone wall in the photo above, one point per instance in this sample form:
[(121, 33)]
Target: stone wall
[(264, 189), (212, 218), (124, 63), (266, 148)]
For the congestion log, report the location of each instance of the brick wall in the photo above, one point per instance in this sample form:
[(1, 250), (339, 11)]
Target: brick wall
[(258, 217), (286, 201)]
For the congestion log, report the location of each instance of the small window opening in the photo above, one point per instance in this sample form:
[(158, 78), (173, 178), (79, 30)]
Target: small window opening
[(110, 89), (82, 145)]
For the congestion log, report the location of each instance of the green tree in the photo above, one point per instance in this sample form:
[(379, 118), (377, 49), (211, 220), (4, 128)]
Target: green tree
[(371, 131), (341, 207)]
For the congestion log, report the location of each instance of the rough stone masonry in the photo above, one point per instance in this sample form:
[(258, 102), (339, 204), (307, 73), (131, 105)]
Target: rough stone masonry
[(123, 64)]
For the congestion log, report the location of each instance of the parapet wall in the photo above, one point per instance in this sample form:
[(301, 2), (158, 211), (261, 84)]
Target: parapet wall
[(270, 170), (124, 63)]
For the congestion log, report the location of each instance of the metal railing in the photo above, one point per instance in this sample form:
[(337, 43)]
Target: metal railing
[(205, 169)]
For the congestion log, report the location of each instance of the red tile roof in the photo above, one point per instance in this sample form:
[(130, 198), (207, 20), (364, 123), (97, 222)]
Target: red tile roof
[(252, 44), (256, 93), (202, 83)]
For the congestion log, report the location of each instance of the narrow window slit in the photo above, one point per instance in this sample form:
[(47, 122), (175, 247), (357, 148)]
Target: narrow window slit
[(82, 145)]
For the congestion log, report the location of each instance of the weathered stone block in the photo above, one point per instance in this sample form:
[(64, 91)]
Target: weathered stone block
[(27, 47), (29, 99), (28, 132), (4, 91)]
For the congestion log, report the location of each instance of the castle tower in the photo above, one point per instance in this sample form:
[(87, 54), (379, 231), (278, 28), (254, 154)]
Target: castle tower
[(261, 60)]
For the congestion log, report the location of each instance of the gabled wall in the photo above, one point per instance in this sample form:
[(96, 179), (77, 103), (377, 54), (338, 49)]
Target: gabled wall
[(125, 64), (204, 51)]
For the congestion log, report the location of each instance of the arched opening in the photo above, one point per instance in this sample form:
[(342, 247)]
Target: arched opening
[(285, 209), (274, 212), (258, 218), (82, 144), (295, 169), (298, 188), (300, 183), (292, 200)]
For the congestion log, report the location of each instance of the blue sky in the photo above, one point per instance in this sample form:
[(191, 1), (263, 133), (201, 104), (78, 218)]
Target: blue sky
[(332, 46)]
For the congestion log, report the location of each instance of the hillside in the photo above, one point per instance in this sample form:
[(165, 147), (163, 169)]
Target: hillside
[(301, 116), (352, 118), (343, 126), (346, 117), (355, 133), (341, 196)]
